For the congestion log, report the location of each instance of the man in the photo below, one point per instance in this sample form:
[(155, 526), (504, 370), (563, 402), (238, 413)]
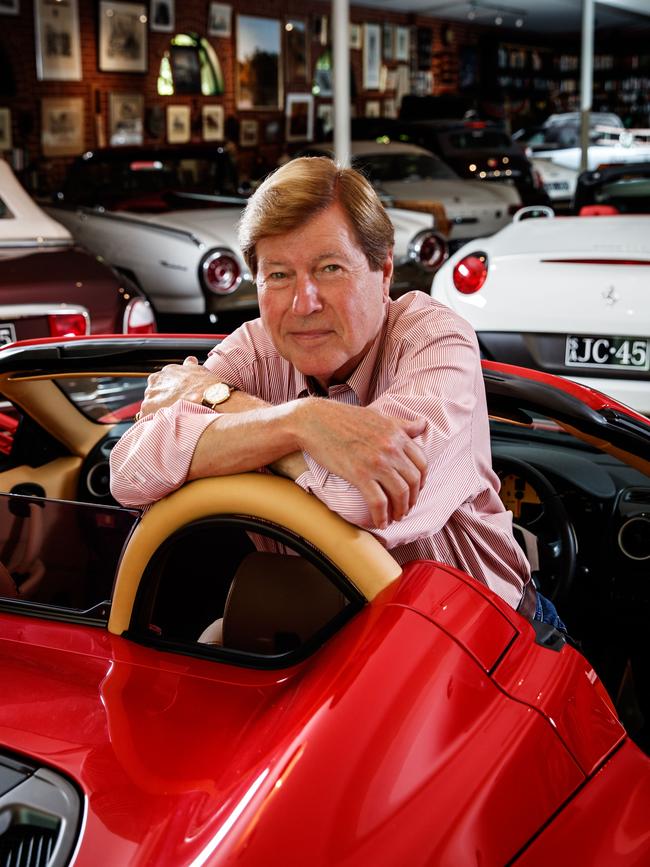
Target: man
[(376, 406)]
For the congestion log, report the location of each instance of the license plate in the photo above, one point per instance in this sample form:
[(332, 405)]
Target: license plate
[(7, 333), (593, 351)]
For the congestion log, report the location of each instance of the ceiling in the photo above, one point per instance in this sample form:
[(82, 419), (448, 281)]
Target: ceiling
[(534, 16)]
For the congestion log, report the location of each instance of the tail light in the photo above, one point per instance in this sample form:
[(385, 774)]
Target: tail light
[(220, 272), (69, 324), (470, 273), (139, 317), (429, 249), (538, 181)]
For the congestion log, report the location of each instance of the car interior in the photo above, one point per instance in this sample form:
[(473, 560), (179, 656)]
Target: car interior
[(580, 498)]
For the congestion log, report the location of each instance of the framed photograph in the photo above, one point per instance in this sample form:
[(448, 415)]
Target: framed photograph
[(388, 41), (248, 133), (219, 20), (5, 130), (297, 51), (62, 126), (162, 16), (58, 52), (355, 36), (300, 117), (122, 37), (325, 115), (179, 124), (259, 74), (125, 118), (373, 108), (390, 108), (321, 29), (402, 43), (212, 117), (9, 7), (186, 68), (371, 56)]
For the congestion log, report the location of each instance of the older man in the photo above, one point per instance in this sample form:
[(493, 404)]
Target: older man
[(375, 406)]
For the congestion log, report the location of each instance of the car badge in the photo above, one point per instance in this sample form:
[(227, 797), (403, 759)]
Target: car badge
[(610, 296)]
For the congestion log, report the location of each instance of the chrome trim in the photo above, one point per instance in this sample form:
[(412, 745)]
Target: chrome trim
[(28, 243), (29, 311), (533, 211), (137, 300), (415, 246), (210, 256), (644, 519), (146, 224)]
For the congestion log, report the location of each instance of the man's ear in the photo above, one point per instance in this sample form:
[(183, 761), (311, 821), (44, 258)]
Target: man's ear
[(387, 272)]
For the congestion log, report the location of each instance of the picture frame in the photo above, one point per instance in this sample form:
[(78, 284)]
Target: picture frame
[(9, 7), (297, 50), (299, 117), (220, 20), (372, 108), (179, 124), (259, 71), (186, 68), (321, 29), (402, 43), (249, 132), (356, 36), (125, 118), (325, 115), (323, 81), (212, 122), (6, 141), (122, 37), (389, 108), (162, 16), (371, 56), (62, 126), (58, 46)]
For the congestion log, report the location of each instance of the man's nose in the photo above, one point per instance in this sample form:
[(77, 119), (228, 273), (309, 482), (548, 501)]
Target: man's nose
[(306, 298)]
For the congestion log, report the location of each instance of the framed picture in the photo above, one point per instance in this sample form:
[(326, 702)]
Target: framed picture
[(259, 75), (62, 126), (186, 68), (219, 20), (373, 108), (371, 56), (390, 108), (355, 36), (300, 117), (179, 126), (212, 118), (321, 29), (248, 133), (5, 129), (9, 7), (323, 84), (58, 53), (402, 43), (325, 115), (388, 41), (161, 16), (125, 118), (122, 37), (297, 51)]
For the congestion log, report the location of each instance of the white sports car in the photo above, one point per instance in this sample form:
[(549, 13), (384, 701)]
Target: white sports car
[(167, 218), (566, 295)]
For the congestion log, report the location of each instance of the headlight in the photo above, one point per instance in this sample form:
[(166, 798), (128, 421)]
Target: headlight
[(429, 249), (220, 272)]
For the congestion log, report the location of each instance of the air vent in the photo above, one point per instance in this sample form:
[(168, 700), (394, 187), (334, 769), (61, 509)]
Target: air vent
[(634, 538), (40, 815), (637, 495)]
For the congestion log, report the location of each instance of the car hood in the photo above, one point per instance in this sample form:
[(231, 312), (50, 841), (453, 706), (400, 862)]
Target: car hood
[(456, 195), (182, 757)]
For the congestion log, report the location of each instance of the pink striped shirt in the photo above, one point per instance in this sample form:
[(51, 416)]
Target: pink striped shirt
[(424, 362)]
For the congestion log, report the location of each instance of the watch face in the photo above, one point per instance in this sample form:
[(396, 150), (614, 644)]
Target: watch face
[(216, 393)]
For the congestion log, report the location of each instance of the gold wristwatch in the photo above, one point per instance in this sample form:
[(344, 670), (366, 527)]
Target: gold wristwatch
[(217, 393)]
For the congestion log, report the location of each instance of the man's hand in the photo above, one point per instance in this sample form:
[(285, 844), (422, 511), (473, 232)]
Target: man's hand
[(175, 382), (375, 453)]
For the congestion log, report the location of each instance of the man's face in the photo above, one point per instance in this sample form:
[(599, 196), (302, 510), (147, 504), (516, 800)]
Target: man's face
[(319, 300)]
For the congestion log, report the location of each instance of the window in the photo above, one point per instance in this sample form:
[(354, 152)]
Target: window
[(190, 65)]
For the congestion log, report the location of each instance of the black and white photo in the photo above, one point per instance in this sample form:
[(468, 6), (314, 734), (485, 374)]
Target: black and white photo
[(371, 56), (125, 118), (162, 16), (58, 53), (219, 20), (122, 37)]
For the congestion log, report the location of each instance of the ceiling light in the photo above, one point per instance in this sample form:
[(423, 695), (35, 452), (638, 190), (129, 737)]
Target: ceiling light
[(519, 22), (498, 20)]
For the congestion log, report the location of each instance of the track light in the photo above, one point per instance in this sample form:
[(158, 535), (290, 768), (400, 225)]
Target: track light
[(499, 16)]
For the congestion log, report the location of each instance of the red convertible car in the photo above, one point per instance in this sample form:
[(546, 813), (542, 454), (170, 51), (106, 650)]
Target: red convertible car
[(351, 712), (52, 287)]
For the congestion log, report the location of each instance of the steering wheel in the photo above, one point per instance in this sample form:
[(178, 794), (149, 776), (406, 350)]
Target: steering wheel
[(551, 526)]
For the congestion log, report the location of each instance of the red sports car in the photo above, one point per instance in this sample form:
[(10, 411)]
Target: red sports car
[(50, 286), (173, 693)]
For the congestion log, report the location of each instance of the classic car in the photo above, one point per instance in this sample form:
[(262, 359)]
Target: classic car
[(353, 711), (567, 295), (614, 189), (167, 217), (51, 287), (559, 181), (408, 175)]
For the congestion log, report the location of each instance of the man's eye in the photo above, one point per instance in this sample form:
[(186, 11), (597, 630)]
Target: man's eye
[(331, 268), (277, 275)]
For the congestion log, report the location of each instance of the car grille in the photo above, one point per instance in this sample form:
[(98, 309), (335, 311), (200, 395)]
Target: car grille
[(27, 846)]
